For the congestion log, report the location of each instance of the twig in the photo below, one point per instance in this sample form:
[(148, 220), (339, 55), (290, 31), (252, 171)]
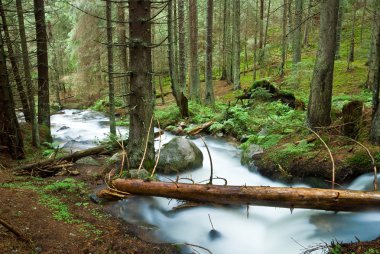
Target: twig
[(212, 226), (159, 151), (211, 166), (146, 144), (331, 156), (194, 245)]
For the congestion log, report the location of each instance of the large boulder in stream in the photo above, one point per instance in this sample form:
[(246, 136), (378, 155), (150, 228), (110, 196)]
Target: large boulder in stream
[(178, 155)]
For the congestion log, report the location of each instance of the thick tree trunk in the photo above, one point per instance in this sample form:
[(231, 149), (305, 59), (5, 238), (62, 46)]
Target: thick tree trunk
[(364, 7), (111, 87), (229, 39), (178, 94), (15, 67), (319, 108), (339, 29), (374, 75), (141, 138), (309, 198), (194, 62), (236, 45), (27, 75), (42, 66), (209, 96), (10, 135), (297, 35), (122, 38)]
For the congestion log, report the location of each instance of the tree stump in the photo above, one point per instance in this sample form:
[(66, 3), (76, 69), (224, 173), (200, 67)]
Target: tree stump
[(352, 118)]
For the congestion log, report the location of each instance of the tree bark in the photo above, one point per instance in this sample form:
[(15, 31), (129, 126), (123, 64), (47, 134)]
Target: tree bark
[(267, 24), (297, 35), (209, 97), (257, 28), (374, 75), (351, 53), (111, 87), (42, 67), (15, 67), (319, 108), (10, 135), (363, 19), (339, 29), (284, 42), (177, 90), (141, 138), (194, 62), (27, 75), (308, 198), (236, 45), (224, 42), (261, 38), (307, 25), (122, 34)]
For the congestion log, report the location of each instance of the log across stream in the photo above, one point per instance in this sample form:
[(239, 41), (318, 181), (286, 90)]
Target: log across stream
[(258, 230)]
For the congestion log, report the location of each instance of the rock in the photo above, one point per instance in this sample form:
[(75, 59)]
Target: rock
[(95, 199), (248, 154), (179, 155), (63, 128), (140, 174), (214, 235), (88, 161), (115, 162)]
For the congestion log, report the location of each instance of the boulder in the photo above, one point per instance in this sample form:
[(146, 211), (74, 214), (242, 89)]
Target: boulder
[(248, 154), (88, 161), (178, 155)]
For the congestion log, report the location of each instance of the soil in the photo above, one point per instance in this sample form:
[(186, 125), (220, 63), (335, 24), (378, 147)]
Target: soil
[(93, 230)]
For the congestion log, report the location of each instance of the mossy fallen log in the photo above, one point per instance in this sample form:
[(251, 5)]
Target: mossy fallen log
[(286, 197)]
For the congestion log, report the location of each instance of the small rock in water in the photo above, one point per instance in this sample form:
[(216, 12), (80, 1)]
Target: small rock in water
[(63, 128), (214, 234), (94, 198)]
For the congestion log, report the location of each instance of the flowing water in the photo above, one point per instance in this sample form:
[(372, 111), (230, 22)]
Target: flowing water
[(241, 229)]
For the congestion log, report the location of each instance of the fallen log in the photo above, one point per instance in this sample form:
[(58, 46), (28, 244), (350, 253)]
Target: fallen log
[(286, 197), (69, 158)]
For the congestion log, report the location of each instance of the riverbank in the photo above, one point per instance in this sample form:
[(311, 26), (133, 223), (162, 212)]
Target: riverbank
[(56, 215)]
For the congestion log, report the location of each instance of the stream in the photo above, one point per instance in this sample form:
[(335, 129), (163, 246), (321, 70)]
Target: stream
[(242, 230)]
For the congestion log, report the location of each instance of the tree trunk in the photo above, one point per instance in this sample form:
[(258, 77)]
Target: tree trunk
[(229, 38), (261, 39), (307, 25), (15, 68), (182, 56), (363, 19), (209, 97), (308, 198), (177, 89), (297, 37), (10, 135), (194, 63), (42, 67), (351, 53), (122, 34), (267, 24), (319, 108), (339, 29), (257, 28), (27, 75), (375, 75), (284, 42), (224, 42), (141, 138), (111, 87), (290, 22), (236, 44)]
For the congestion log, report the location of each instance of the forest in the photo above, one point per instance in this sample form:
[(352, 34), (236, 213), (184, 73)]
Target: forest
[(185, 126)]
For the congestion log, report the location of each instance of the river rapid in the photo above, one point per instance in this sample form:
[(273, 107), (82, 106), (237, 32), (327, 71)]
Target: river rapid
[(241, 229)]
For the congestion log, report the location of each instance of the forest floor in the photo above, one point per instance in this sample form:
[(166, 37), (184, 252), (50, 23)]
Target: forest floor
[(55, 215)]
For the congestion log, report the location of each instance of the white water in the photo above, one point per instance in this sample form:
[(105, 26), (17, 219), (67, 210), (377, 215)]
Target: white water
[(265, 231)]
